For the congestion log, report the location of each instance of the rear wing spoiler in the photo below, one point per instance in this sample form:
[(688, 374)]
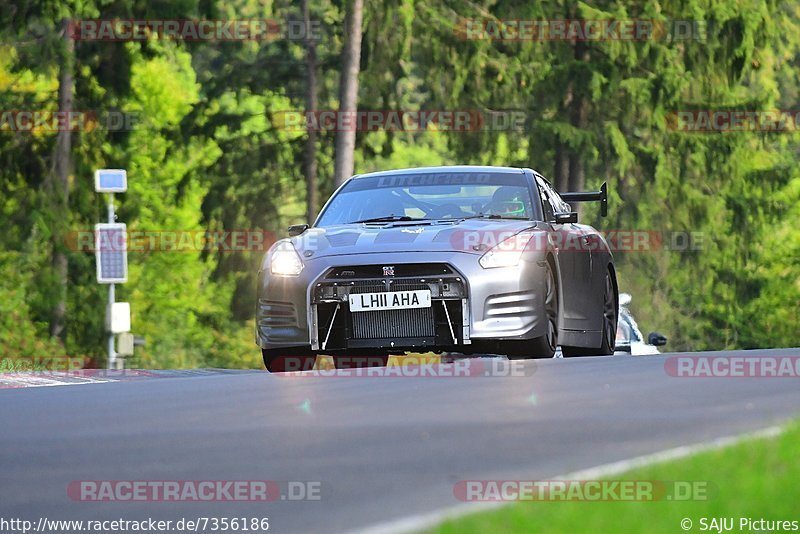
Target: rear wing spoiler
[(590, 196)]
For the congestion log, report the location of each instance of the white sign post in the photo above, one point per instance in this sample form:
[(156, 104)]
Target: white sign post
[(111, 255)]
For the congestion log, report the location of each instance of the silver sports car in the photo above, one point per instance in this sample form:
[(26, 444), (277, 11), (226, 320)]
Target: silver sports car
[(445, 259)]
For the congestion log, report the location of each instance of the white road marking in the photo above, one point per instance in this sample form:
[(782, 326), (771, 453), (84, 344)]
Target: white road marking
[(19, 380), (28, 379), (419, 522)]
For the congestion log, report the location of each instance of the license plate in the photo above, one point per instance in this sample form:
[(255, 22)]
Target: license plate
[(393, 300)]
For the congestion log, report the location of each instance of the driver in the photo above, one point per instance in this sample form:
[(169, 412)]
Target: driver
[(507, 200)]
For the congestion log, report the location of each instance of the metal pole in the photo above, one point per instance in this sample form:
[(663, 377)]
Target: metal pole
[(111, 354)]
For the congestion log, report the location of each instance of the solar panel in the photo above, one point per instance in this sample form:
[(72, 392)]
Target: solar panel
[(111, 253)]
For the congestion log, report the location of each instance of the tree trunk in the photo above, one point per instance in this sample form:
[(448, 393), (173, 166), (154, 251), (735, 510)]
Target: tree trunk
[(348, 92), (578, 119), (59, 183), (561, 170), (577, 174), (310, 160)]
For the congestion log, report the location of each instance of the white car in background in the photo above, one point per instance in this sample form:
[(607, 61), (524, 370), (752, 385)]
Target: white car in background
[(629, 337)]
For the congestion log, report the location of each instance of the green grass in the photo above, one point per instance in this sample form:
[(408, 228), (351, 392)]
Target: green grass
[(758, 478)]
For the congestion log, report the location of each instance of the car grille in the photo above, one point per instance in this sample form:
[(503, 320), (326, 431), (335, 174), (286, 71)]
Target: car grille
[(393, 324), (389, 328), (417, 322)]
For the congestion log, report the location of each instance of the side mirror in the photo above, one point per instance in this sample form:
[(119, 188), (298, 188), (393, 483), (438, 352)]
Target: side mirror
[(297, 229), (567, 218), (656, 339)]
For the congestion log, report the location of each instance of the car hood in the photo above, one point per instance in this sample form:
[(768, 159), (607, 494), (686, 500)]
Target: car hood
[(347, 239)]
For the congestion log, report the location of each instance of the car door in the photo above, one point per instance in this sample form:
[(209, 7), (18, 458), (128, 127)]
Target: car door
[(575, 259)]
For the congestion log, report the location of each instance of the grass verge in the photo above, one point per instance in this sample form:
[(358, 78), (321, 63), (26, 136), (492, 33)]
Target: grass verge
[(756, 479)]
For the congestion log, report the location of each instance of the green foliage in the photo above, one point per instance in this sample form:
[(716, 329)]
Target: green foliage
[(208, 154), (20, 336)]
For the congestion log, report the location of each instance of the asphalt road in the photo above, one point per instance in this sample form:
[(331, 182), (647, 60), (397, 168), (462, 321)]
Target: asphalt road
[(382, 448)]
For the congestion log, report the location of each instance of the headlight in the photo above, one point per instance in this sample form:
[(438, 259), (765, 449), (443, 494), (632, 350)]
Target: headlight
[(508, 252), (285, 260)]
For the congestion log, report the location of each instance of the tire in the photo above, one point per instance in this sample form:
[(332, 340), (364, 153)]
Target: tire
[(610, 318), (354, 362), (542, 346), (282, 361)]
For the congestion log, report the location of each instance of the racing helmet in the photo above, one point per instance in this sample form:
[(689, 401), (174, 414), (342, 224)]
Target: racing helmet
[(508, 200)]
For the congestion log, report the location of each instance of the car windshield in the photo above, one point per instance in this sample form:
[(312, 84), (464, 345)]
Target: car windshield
[(434, 196)]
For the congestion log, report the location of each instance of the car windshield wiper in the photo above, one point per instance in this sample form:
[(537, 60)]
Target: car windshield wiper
[(493, 216), (390, 218)]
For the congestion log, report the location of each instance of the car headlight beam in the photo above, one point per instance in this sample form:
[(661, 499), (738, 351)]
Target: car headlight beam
[(507, 253), (285, 260)]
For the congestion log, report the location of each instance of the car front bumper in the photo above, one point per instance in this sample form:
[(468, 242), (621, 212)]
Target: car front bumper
[(469, 303)]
